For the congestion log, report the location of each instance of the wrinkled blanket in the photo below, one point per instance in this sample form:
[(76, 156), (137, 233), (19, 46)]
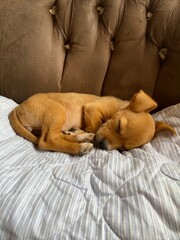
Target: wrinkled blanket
[(112, 195)]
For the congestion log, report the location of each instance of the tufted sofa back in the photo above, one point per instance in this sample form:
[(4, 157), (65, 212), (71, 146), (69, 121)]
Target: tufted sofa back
[(103, 47)]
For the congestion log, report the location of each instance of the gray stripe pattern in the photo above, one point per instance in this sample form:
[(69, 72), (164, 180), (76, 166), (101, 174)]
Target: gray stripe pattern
[(132, 195)]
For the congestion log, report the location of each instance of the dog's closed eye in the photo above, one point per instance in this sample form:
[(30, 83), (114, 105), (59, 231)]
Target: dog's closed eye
[(121, 124), (118, 126)]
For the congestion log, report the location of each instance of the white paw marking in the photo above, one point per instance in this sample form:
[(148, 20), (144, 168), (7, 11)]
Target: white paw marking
[(85, 148), (69, 133)]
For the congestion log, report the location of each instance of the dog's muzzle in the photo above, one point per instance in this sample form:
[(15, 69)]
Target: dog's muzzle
[(101, 143)]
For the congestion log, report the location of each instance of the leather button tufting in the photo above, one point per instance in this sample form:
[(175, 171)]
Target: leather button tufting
[(53, 10), (112, 45), (162, 53), (149, 15), (67, 46), (100, 10)]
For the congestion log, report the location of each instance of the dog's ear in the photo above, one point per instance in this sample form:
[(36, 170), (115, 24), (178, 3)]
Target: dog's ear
[(141, 102), (163, 126)]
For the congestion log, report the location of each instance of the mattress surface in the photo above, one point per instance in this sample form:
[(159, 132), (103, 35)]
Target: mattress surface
[(102, 195)]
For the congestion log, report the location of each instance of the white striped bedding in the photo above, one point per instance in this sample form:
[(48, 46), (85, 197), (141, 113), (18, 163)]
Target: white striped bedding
[(103, 195)]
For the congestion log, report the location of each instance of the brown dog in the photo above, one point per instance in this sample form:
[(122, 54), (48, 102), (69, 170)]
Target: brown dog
[(118, 124)]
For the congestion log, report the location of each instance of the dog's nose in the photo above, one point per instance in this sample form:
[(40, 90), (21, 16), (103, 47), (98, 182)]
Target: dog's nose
[(102, 145)]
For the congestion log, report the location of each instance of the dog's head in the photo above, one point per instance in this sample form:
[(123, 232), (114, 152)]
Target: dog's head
[(131, 127)]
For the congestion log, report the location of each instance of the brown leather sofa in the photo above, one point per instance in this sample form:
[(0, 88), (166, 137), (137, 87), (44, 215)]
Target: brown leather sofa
[(107, 47)]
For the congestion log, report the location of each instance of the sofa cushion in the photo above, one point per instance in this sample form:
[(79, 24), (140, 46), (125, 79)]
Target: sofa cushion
[(99, 47)]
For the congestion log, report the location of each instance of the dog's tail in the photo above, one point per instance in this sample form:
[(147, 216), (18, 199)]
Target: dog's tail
[(19, 129)]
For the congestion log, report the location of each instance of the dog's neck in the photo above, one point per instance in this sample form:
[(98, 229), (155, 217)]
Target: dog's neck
[(113, 108)]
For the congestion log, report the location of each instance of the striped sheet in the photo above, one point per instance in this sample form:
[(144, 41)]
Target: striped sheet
[(103, 195)]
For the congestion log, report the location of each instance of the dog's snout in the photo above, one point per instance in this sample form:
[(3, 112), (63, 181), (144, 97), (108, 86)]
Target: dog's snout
[(101, 144)]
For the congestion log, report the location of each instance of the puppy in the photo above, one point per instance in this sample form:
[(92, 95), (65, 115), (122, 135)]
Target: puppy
[(117, 124), (132, 126)]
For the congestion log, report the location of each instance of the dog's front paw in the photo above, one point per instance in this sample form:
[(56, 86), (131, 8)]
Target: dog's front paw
[(89, 137), (85, 137), (85, 148)]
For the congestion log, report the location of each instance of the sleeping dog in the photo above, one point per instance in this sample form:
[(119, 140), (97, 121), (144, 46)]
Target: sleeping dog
[(117, 124)]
